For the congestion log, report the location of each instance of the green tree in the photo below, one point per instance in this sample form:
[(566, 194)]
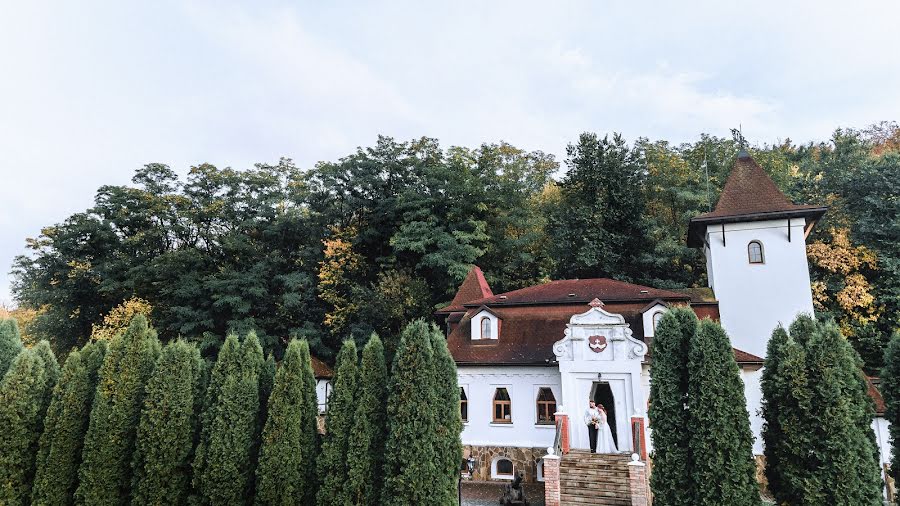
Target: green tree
[(411, 421), (65, 425), (165, 435), (222, 467), (24, 391), (721, 445), (890, 388), (332, 463), (668, 398), (448, 447), (366, 446), (786, 409), (280, 477), (309, 424), (105, 472), (10, 343), (841, 417)]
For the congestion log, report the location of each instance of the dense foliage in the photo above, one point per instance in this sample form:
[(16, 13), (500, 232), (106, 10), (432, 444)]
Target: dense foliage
[(65, 426), (333, 465), (10, 343), (366, 447), (820, 447), (890, 387), (668, 397), (448, 418), (294, 253)]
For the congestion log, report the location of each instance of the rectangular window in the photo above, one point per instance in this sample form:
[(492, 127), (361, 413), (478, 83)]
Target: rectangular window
[(546, 406), (463, 405)]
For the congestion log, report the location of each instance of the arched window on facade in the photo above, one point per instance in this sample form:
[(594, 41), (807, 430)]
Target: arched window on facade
[(502, 406), (546, 406), (657, 316), (485, 327), (503, 468), (463, 405), (755, 252)]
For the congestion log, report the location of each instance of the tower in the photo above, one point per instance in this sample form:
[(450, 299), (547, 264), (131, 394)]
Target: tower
[(755, 247)]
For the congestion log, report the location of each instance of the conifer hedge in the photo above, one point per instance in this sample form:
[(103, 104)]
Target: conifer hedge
[(165, 435), (332, 464), (890, 388), (105, 472), (280, 478), (24, 393), (10, 343), (65, 426), (411, 470), (366, 447), (448, 420), (668, 398), (309, 422)]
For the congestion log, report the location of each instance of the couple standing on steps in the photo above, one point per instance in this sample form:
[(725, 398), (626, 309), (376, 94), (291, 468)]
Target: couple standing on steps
[(596, 420)]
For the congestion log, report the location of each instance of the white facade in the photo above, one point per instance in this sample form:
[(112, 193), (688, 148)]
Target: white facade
[(523, 383), (778, 288)]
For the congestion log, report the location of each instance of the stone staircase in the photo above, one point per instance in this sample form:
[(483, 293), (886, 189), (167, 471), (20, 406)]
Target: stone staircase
[(595, 479)]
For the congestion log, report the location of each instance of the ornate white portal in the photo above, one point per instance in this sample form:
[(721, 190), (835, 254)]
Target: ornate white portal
[(598, 348)]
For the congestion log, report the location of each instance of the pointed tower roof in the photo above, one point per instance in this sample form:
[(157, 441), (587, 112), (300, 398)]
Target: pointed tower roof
[(474, 287), (750, 195)]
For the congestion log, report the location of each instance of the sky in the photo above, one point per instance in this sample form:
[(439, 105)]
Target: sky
[(91, 91)]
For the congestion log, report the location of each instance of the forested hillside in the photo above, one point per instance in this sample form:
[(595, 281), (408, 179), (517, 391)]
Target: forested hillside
[(383, 236)]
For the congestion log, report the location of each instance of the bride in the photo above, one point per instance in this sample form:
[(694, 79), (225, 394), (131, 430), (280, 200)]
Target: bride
[(605, 442)]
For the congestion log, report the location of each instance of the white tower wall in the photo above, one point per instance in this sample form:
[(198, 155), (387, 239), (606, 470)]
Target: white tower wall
[(755, 298)]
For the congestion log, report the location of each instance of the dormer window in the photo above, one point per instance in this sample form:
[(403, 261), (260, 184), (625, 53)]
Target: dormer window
[(486, 328), (485, 325), (755, 252), (651, 316)]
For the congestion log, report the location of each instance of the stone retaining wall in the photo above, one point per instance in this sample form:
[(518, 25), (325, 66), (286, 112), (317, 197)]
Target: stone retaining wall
[(524, 459)]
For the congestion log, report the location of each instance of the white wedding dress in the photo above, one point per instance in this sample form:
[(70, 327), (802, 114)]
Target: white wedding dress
[(605, 441)]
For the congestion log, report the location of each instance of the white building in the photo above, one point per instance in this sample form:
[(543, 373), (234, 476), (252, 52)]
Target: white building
[(524, 355)]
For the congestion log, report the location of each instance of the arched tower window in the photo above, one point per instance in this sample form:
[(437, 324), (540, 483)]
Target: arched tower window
[(485, 327), (755, 252)]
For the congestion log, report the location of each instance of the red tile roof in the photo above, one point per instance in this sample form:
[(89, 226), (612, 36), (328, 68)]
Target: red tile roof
[(749, 195), (577, 291), (875, 394), (321, 369), (474, 287)]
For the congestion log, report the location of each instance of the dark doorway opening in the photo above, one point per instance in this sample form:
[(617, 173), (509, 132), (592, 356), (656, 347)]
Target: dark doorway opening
[(603, 395)]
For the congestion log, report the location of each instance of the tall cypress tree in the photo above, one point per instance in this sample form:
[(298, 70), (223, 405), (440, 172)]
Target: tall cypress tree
[(105, 472), (65, 425), (366, 452), (890, 388), (10, 343), (721, 444), (165, 435), (786, 411), (667, 413), (223, 464), (332, 464), (280, 476), (409, 469), (448, 445), (845, 451), (309, 423), (23, 390)]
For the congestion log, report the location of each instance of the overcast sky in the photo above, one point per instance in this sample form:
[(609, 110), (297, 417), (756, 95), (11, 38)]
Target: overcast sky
[(89, 91)]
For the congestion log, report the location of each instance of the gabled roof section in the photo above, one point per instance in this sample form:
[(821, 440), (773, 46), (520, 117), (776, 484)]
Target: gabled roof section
[(577, 291), (656, 302), (474, 287), (749, 195)]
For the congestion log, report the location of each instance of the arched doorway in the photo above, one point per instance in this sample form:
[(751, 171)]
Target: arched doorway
[(601, 393)]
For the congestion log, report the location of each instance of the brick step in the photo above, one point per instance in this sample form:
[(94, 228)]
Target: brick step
[(580, 485), (589, 482), (594, 500), (596, 469)]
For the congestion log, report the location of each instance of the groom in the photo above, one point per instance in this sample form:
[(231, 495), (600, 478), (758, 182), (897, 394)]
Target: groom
[(591, 415)]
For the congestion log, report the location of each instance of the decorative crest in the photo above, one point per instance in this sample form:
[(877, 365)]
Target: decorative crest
[(596, 303)]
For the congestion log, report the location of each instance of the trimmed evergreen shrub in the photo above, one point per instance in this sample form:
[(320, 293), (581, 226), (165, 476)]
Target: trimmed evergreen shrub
[(332, 464), (65, 425), (721, 444), (280, 477), (309, 421), (410, 472), (890, 389), (23, 391), (844, 447), (222, 467), (165, 435), (448, 445), (105, 472), (785, 433), (668, 397), (10, 343), (366, 447), (266, 383)]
